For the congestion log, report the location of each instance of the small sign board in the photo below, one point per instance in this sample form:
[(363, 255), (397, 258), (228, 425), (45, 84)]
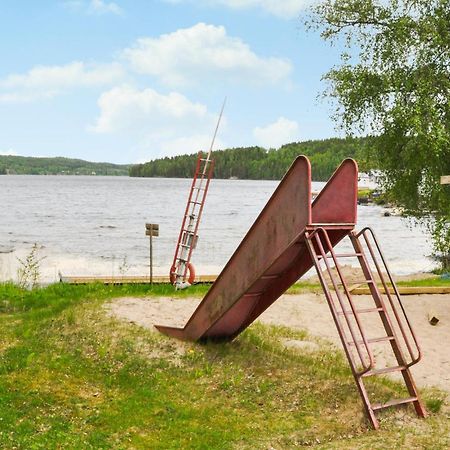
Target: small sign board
[(445, 179), (152, 229)]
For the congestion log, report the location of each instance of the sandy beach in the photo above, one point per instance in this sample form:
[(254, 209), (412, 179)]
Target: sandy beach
[(310, 312)]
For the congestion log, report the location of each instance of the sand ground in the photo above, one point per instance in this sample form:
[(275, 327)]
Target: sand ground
[(310, 312)]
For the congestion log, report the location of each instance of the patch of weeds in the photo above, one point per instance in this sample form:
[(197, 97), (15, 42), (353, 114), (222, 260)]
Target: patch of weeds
[(70, 317), (29, 271), (124, 267), (434, 405)]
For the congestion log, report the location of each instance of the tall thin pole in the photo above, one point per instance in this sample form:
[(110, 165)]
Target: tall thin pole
[(151, 258), (217, 128)]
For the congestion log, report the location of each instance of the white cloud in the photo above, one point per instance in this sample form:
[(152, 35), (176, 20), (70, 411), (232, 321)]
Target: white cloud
[(48, 81), (160, 125), (94, 7), (202, 52), (274, 135), (126, 108), (285, 9)]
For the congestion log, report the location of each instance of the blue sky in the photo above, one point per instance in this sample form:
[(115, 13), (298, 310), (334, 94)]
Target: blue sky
[(131, 80)]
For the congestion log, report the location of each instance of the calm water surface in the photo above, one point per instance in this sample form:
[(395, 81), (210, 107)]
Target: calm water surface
[(91, 225)]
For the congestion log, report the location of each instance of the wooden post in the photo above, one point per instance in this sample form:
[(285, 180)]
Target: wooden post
[(151, 229), (151, 259), (445, 179)]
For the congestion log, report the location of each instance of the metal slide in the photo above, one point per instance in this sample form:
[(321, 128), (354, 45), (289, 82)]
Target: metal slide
[(273, 255), (290, 236)]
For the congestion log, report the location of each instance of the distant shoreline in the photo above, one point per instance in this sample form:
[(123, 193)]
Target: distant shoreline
[(29, 165)]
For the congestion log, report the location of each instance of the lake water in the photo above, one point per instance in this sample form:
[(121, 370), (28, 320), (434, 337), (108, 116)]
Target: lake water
[(91, 225)]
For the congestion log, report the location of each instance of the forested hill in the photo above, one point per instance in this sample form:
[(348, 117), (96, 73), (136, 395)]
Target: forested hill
[(259, 164), (27, 165)]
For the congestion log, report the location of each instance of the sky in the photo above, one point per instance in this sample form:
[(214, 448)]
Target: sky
[(127, 81)]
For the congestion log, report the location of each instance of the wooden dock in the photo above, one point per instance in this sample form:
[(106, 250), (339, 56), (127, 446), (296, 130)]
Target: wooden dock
[(404, 290), (129, 279), (356, 289)]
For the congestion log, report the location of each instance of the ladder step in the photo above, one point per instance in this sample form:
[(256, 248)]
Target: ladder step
[(363, 281), (371, 341), (344, 255), (351, 285), (199, 188), (332, 225), (195, 203), (385, 370), (359, 311), (394, 402)]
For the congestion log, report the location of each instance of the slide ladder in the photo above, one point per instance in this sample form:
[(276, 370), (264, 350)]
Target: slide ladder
[(291, 235), (394, 326)]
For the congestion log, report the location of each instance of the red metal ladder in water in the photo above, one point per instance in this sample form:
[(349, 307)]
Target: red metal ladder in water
[(187, 239), (347, 314)]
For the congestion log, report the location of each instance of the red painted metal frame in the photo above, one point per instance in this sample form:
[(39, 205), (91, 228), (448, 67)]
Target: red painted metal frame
[(290, 236), (185, 215), (208, 176), (416, 353), (321, 241), (199, 175), (273, 254), (346, 316)]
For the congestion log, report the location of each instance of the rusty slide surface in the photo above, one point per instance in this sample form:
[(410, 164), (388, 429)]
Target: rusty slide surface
[(273, 255)]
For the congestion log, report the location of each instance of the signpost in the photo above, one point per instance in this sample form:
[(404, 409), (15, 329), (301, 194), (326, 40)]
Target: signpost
[(151, 229)]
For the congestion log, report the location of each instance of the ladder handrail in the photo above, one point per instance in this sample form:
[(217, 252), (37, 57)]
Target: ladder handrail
[(323, 253), (414, 359), (385, 316), (320, 246)]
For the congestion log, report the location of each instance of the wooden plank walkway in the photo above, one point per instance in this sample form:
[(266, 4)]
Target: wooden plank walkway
[(405, 290), (356, 289), (129, 279)]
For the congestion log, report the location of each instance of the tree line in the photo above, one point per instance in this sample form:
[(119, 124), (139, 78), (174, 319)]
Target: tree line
[(27, 165), (257, 163), (396, 85)]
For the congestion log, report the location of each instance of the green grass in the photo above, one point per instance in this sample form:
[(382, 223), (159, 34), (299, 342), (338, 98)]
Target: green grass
[(365, 192), (426, 282), (302, 287), (72, 377)]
